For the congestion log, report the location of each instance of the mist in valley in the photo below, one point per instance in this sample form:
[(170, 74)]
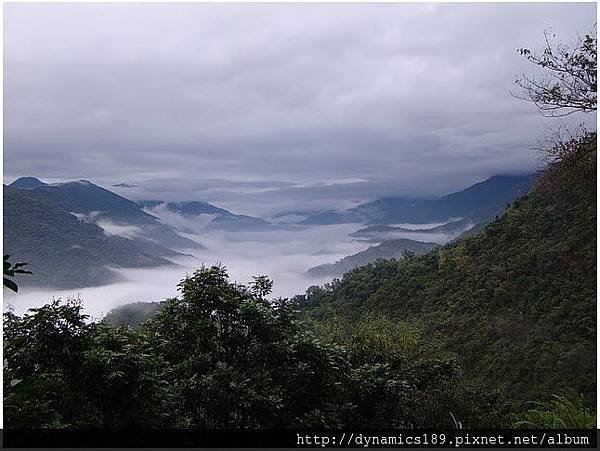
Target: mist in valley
[(282, 254)]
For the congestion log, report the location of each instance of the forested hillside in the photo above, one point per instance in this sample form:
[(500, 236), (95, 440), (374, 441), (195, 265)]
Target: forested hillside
[(462, 335), (465, 333), (64, 252), (92, 203), (516, 302)]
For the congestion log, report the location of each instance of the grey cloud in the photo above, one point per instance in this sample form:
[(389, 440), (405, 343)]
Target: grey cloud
[(256, 105)]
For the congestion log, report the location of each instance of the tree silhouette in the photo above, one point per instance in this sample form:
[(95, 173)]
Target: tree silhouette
[(10, 270), (568, 84)]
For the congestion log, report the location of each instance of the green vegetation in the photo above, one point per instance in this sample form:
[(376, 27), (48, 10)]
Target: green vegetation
[(222, 355), (10, 270), (468, 334), (482, 332), (558, 413), (515, 302)]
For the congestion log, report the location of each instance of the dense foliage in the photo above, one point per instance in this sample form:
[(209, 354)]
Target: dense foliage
[(222, 355), (132, 314), (10, 270), (468, 334), (516, 301), (558, 413)]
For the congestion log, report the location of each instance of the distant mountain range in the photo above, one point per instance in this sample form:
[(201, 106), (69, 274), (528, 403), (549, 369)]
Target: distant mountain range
[(462, 213), (72, 233), (223, 219), (479, 202), (387, 250), (84, 197)]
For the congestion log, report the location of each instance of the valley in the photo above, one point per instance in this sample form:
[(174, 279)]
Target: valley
[(123, 251), (233, 220)]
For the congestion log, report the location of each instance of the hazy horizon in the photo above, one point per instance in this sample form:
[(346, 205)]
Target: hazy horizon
[(135, 194), (255, 107)]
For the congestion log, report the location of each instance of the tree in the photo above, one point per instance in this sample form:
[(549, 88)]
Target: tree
[(222, 355), (568, 84), (62, 371), (10, 270)]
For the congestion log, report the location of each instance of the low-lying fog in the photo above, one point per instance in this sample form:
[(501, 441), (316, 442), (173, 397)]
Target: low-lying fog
[(283, 255)]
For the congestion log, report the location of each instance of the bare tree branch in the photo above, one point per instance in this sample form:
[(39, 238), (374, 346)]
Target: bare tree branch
[(569, 84)]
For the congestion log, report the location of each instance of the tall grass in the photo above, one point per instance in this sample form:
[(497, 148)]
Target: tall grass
[(560, 413)]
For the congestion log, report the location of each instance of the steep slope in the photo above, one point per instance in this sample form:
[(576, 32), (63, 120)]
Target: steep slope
[(85, 197), (396, 249), (516, 301), (105, 208), (477, 203), (64, 252)]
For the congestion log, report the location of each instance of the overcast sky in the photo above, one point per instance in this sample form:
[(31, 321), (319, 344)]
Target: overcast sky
[(273, 107)]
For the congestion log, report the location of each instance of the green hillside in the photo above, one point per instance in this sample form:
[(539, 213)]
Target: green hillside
[(516, 301), (64, 252), (459, 336)]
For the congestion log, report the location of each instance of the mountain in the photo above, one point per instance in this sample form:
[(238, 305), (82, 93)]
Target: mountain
[(388, 249), (85, 197), (386, 232), (110, 210), (477, 203), (62, 250), (223, 219), (514, 301), (26, 183)]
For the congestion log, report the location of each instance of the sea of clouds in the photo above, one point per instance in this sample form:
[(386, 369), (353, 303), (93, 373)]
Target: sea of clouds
[(283, 255)]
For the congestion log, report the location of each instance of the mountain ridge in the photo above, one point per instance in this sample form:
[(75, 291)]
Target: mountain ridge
[(83, 197), (478, 202)]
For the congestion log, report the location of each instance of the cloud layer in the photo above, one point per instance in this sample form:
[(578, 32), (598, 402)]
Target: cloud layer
[(262, 107)]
